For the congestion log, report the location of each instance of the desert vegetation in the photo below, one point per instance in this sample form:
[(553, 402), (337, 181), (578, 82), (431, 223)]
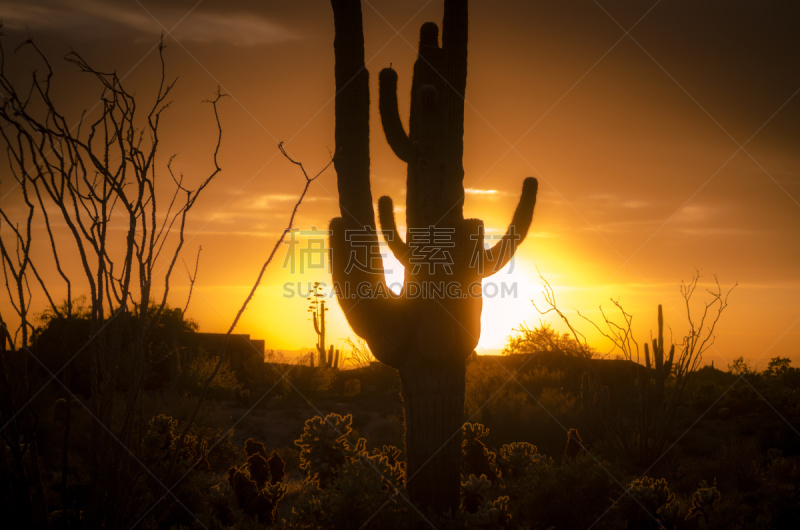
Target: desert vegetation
[(294, 446), (116, 412)]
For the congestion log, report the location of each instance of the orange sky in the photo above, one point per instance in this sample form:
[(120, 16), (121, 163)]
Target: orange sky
[(669, 149)]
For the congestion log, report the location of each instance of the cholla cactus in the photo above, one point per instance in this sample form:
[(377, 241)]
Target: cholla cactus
[(220, 503), (516, 459), (703, 500), (477, 459), (160, 437), (325, 445), (259, 472), (652, 495), (391, 453), (277, 468), (670, 514), (472, 495), (492, 514), (482, 512), (252, 499), (252, 447), (386, 461)]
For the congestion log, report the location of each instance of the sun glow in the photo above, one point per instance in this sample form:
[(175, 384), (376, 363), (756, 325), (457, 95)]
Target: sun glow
[(506, 303)]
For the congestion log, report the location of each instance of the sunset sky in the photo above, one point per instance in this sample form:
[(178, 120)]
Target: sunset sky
[(665, 137)]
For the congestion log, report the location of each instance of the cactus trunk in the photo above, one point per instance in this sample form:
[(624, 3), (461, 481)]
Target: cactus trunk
[(426, 338), (433, 401)]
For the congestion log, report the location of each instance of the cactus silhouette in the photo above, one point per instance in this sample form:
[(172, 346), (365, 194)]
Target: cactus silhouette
[(426, 338), (317, 310), (574, 445), (661, 369)]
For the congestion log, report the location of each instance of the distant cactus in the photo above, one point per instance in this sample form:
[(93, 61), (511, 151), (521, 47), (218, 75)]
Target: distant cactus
[(317, 310), (660, 368), (332, 358), (574, 445)]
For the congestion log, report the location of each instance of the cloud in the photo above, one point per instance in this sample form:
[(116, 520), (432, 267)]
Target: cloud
[(261, 202), (634, 205), (90, 18), (481, 192), (613, 201), (712, 231)]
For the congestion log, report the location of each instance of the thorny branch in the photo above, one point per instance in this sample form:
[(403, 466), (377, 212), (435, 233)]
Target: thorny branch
[(259, 277)]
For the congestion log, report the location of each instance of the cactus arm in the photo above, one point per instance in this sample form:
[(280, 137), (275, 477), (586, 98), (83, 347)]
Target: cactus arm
[(351, 158), (378, 321), (647, 355), (389, 229), (500, 254), (660, 329), (454, 41), (454, 68), (351, 161), (390, 116), (658, 355)]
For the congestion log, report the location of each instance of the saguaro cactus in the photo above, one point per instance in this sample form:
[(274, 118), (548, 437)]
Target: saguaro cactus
[(661, 368), (426, 338)]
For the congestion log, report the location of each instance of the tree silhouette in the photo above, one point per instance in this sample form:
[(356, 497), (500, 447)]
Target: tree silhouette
[(426, 338), (91, 190)]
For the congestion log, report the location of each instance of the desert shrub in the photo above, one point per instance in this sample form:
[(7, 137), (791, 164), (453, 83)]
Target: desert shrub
[(483, 513), (703, 501), (190, 460), (359, 498), (195, 370), (545, 338), (510, 413), (254, 500), (352, 387), (646, 498), (540, 378), (571, 495), (307, 381), (342, 470)]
